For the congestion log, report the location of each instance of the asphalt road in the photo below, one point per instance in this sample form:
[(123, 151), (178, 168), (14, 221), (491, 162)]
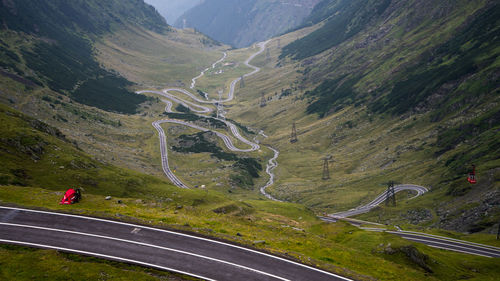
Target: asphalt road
[(377, 201), (272, 163), (201, 109), (450, 243), (435, 241), (163, 249)]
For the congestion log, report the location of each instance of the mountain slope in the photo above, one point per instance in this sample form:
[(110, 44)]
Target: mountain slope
[(343, 19), (410, 95), (61, 53), (243, 22), (38, 155), (52, 69), (172, 9)]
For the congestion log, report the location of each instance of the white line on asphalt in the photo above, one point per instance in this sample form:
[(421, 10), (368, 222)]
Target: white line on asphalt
[(103, 256), (441, 243), (448, 238), (147, 245), (184, 235), (444, 248)]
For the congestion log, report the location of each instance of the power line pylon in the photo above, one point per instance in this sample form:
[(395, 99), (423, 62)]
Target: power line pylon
[(390, 196), (293, 137), (326, 170), (220, 107), (262, 100), (279, 43)]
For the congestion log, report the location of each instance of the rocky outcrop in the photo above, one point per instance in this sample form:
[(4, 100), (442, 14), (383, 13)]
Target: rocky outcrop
[(471, 217)]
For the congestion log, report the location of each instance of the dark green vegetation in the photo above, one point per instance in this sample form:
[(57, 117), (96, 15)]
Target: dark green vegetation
[(473, 49), (447, 74), (181, 108), (36, 154), (201, 93), (242, 22), (108, 93), (343, 20), (201, 142), (63, 55), (331, 96), (208, 121)]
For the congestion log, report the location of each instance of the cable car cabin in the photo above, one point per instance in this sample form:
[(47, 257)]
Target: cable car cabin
[(471, 178)]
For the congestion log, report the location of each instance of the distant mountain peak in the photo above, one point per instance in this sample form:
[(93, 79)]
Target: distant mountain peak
[(243, 22)]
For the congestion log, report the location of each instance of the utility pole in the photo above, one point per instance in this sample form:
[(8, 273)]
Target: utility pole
[(279, 43), (326, 171), (242, 82), (390, 196), (293, 137), (220, 107), (262, 100)]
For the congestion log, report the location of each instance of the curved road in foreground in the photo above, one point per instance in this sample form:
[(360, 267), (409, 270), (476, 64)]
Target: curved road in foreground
[(152, 247), (201, 109)]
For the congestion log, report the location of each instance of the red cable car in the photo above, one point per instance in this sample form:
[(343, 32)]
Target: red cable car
[(471, 178), (71, 196)]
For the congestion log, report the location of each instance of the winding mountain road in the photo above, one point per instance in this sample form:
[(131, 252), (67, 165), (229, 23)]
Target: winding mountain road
[(201, 109), (431, 240), (148, 246), (379, 199)]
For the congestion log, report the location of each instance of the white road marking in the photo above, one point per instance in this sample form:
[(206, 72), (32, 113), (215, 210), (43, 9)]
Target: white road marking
[(185, 235), (444, 248), (104, 256), (147, 245), (135, 230), (441, 243), (484, 246)]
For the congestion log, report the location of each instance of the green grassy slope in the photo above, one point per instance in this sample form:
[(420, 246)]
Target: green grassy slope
[(152, 59), (62, 53), (36, 154), (98, 72), (287, 229), (411, 97)]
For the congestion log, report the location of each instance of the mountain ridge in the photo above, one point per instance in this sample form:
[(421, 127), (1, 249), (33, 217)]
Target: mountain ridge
[(241, 23)]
